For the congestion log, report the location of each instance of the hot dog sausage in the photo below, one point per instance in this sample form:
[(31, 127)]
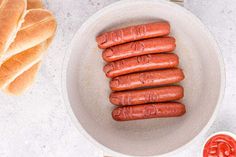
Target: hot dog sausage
[(137, 48), (140, 63), (146, 79), (155, 110), (132, 33), (144, 96)]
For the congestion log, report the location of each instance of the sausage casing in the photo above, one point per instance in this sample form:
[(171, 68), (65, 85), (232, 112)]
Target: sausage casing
[(141, 63), (137, 48), (155, 110), (143, 96), (146, 79), (132, 33)]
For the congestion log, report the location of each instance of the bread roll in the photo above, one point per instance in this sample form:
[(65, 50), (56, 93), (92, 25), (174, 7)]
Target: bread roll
[(26, 79), (12, 14), (34, 4), (38, 26), (23, 82), (19, 63), (20, 68)]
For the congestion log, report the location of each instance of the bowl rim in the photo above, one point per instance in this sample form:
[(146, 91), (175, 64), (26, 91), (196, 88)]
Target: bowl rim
[(89, 21)]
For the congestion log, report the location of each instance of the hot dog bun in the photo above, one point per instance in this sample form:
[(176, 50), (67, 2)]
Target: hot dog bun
[(34, 4), (27, 78), (24, 81), (11, 17), (19, 63), (39, 25)]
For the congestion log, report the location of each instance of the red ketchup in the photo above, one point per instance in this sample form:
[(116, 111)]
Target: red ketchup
[(220, 145)]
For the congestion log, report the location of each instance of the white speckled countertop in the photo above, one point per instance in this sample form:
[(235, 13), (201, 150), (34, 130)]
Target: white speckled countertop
[(37, 123)]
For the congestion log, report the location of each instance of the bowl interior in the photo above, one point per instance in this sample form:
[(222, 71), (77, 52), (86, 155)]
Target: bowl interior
[(88, 89)]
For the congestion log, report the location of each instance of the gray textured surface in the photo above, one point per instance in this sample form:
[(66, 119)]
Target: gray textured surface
[(37, 124)]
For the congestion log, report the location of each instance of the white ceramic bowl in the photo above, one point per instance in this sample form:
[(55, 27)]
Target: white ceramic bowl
[(86, 89)]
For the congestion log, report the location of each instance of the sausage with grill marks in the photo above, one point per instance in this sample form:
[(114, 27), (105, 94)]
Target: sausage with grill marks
[(137, 48), (146, 79), (155, 110), (141, 63), (143, 96), (133, 33)]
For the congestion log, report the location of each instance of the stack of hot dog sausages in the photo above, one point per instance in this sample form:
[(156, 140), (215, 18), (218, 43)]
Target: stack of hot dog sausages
[(142, 68)]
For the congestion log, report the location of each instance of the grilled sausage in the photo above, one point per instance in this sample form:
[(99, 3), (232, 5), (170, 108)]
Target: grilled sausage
[(146, 79), (132, 33), (141, 63), (144, 96), (137, 48), (155, 110)]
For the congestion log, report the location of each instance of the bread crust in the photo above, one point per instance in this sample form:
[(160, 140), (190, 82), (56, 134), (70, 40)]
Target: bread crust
[(23, 58), (24, 81), (12, 14), (19, 63), (39, 25), (34, 4), (27, 78)]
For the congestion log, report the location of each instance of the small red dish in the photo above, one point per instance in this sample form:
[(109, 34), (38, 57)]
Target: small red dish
[(220, 145)]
